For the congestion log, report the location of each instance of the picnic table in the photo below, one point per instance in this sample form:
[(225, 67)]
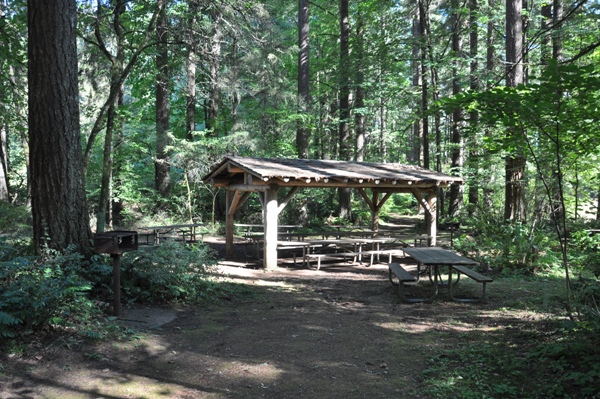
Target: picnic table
[(186, 230), (435, 258)]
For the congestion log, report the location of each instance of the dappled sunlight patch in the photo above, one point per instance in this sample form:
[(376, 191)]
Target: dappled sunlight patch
[(275, 284), (260, 374)]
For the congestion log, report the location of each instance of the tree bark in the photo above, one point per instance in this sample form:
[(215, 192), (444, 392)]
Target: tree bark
[(514, 202), (302, 132), (190, 106), (4, 184), (457, 116), (344, 194), (423, 49), (162, 164), (417, 128), (214, 59), (103, 216), (359, 101), (59, 209), (475, 146)]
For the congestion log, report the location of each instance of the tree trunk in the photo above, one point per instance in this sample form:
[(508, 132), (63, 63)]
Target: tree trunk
[(190, 106), (302, 132), (475, 145), (4, 162), (214, 59), (103, 216), (457, 116), (557, 42), (423, 48), (60, 214), (359, 102), (490, 61), (417, 128), (514, 202), (344, 194), (162, 163)]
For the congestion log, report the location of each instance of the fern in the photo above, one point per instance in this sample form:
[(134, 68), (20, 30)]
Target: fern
[(7, 320)]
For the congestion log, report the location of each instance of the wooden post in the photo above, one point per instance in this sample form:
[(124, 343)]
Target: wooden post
[(432, 209), (230, 212), (270, 213), (116, 261)]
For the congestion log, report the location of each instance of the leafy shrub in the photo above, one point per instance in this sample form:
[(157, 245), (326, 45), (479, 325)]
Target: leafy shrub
[(42, 291), (169, 273), (585, 259), (507, 246)]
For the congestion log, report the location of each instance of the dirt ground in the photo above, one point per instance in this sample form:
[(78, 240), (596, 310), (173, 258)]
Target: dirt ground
[(339, 332)]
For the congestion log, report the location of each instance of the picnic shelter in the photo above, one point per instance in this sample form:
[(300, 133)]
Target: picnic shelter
[(376, 182)]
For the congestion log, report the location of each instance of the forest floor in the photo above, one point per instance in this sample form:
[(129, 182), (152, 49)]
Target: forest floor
[(340, 332)]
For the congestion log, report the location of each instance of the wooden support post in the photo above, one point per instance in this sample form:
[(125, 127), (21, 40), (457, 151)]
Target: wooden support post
[(432, 209), (270, 213), (229, 196), (430, 206), (375, 212), (116, 261)]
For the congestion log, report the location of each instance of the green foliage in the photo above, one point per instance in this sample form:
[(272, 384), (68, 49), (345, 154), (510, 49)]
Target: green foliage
[(14, 219), (507, 247), (518, 365), (585, 259), (41, 292), (170, 273)]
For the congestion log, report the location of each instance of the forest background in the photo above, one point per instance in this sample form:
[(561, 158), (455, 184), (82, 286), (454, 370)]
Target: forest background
[(112, 111), (505, 94)]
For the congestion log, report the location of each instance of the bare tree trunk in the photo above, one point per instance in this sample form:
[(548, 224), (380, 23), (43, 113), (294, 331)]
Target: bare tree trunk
[(359, 102), (514, 202), (456, 194), (190, 106), (162, 164), (473, 115), (302, 132), (4, 183), (417, 128), (214, 59), (59, 209), (116, 70), (423, 49), (235, 96), (344, 194), (557, 41), (489, 67)]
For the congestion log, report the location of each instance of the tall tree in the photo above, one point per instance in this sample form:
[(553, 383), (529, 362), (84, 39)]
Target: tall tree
[(190, 119), (60, 214), (302, 131), (162, 163), (345, 144), (116, 69), (514, 198), (458, 115), (359, 92), (473, 116), (213, 54)]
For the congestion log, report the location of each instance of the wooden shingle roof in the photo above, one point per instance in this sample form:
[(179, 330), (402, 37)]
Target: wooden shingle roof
[(252, 173)]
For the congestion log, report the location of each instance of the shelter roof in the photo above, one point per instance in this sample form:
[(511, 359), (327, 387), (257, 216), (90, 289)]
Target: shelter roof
[(253, 173)]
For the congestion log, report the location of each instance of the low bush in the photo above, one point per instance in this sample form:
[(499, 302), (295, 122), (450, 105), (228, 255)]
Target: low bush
[(170, 273), (38, 292)]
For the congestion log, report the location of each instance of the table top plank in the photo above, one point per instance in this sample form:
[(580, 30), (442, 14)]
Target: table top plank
[(437, 256)]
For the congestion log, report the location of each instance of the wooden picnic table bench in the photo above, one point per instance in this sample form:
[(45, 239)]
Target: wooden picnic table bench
[(433, 258), (185, 230)]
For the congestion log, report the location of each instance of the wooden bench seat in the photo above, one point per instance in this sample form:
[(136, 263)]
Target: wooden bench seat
[(403, 277), (480, 278), (319, 257), (389, 252)]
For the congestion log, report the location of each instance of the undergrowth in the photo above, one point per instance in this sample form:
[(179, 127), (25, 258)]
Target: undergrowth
[(554, 361)]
